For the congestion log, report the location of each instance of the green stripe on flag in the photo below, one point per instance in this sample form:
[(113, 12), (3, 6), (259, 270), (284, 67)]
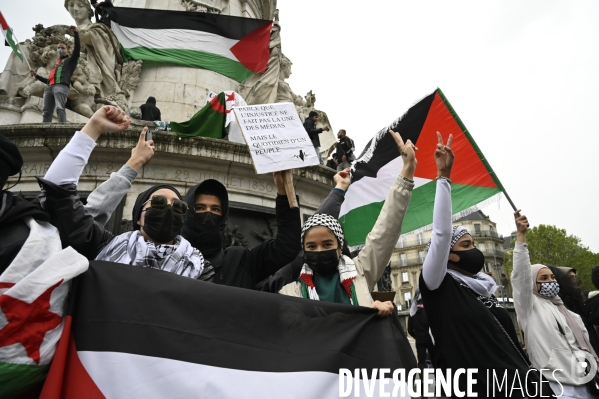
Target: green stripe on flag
[(191, 58), (11, 41), (358, 222), (16, 379)]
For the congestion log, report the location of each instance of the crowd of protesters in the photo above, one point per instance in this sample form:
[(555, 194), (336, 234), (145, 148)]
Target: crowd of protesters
[(456, 320)]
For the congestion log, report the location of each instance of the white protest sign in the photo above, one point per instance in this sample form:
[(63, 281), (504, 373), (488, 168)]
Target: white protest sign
[(276, 137)]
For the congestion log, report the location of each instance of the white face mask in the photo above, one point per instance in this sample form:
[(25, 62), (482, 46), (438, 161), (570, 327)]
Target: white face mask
[(62, 53), (549, 289)]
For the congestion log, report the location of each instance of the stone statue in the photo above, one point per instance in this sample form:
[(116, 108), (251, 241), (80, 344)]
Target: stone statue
[(99, 47), (83, 101), (284, 92), (48, 59)]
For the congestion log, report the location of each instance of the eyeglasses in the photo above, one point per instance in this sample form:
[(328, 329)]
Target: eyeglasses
[(160, 202)]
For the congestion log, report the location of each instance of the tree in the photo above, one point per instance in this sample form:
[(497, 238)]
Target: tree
[(550, 245)]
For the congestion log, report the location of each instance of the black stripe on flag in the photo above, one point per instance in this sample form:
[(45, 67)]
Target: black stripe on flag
[(385, 150), (223, 25), (121, 308)]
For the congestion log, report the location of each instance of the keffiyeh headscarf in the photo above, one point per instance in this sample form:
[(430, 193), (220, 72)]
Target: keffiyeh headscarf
[(480, 283), (347, 269)]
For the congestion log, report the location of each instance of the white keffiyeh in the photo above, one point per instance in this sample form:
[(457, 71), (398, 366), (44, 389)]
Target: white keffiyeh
[(131, 248)]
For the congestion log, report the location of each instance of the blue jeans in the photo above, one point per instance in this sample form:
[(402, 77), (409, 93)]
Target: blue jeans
[(319, 156)]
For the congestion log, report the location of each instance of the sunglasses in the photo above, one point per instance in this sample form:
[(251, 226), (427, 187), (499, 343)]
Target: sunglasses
[(160, 203)]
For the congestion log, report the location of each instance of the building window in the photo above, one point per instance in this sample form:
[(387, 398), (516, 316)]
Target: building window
[(420, 239), (407, 297), (402, 241), (403, 260), (476, 227), (405, 279), (421, 256)]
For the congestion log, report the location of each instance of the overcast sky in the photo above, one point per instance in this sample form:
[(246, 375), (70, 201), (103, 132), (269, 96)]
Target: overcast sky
[(522, 75)]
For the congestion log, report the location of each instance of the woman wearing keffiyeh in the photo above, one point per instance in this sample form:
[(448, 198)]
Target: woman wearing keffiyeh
[(329, 274), (470, 328), (158, 214)]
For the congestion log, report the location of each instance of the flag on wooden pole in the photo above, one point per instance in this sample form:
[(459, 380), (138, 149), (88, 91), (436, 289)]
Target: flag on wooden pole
[(373, 173)]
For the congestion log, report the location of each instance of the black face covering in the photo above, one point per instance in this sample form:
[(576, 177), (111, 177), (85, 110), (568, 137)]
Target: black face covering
[(471, 260), (322, 262), (203, 232), (163, 225)]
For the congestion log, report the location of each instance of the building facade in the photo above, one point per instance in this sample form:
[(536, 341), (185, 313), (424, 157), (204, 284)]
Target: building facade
[(408, 257)]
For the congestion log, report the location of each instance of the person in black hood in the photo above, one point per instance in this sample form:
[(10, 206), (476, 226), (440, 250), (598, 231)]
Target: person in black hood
[(158, 214), (204, 228), (149, 111), (14, 209)]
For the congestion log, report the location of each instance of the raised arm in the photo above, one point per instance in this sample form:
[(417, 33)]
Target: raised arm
[(330, 206), (522, 273), (270, 256), (59, 196), (103, 201), (77, 49), (435, 264), (381, 240)]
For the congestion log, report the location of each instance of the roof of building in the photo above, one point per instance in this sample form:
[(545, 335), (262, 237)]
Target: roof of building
[(478, 215)]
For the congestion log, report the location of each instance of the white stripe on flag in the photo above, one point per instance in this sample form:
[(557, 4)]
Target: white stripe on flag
[(178, 39), (120, 375), (369, 189)]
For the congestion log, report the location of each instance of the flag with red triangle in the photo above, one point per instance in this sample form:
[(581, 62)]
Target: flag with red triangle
[(232, 46), (33, 291), (213, 119), (379, 165)]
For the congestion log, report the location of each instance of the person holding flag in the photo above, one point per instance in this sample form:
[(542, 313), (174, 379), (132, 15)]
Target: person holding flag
[(328, 272), (59, 81), (462, 311)]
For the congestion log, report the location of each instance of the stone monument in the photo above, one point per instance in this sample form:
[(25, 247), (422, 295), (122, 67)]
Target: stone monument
[(103, 78)]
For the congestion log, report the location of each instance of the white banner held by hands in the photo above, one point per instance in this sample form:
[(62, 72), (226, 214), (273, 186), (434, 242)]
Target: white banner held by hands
[(276, 137)]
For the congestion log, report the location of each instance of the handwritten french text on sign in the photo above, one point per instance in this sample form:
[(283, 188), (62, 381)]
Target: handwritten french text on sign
[(276, 137)]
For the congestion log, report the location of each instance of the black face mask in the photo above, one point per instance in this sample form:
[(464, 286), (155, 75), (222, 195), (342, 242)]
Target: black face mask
[(163, 225), (322, 262), (471, 260), (202, 230)]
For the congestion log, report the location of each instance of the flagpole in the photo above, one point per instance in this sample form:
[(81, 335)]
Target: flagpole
[(510, 200), (21, 48)]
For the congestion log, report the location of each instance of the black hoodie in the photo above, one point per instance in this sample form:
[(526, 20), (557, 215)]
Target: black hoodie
[(239, 266), (149, 111)]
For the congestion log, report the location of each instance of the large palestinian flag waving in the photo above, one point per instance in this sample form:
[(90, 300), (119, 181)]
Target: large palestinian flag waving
[(143, 333), (373, 173), (233, 46)]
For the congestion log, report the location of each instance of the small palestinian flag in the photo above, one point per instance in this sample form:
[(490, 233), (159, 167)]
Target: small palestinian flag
[(375, 171), (212, 119), (232, 46), (142, 333), (9, 37)]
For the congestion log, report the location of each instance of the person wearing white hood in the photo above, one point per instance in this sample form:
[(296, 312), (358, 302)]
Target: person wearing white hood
[(556, 338)]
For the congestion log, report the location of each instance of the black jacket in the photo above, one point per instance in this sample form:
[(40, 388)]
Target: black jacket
[(13, 230), (419, 329), (344, 147), (290, 273), (149, 110), (64, 70), (77, 228), (591, 310), (242, 267), (313, 132)]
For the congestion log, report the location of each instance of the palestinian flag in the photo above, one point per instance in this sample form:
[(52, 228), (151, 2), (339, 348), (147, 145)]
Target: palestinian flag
[(143, 333), (9, 37), (233, 46), (33, 290), (375, 171), (212, 119)]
